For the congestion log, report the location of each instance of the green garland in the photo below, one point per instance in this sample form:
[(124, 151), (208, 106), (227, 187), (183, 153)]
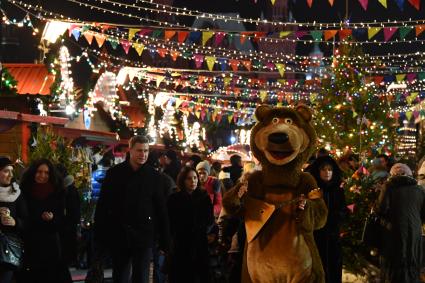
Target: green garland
[(8, 83)]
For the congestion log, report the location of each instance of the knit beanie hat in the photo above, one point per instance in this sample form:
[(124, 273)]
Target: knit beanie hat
[(204, 165), (4, 161), (400, 169)]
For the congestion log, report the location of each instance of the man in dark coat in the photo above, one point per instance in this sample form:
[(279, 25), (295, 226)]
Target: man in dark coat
[(235, 169), (402, 208), (131, 212)]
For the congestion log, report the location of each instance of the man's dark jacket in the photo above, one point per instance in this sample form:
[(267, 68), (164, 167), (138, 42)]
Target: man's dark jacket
[(131, 210)]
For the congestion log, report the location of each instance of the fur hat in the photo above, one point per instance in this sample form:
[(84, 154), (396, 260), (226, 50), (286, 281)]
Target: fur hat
[(4, 161), (400, 169), (204, 165)]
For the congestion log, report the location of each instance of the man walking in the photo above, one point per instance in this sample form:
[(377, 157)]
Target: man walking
[(130, 211)]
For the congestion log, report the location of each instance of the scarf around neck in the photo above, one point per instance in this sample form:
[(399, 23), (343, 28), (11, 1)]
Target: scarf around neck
[(10, 193)]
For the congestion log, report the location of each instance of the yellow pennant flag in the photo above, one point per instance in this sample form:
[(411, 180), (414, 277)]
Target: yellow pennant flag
[(159, 80), (279, 104), (139, 48), (284, 34), (263, 95), (280, 68), (198, 114), (383, 3), (178, 102), (89, 37), (409, 115), (371, 32), (100, 39), (230, 118), (132, 32), (210, 62), (206, 35), (400, 77), (273, 1), (227, 81), (313, 96)]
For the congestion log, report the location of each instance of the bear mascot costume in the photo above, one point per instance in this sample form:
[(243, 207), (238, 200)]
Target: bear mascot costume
[(282, 205)]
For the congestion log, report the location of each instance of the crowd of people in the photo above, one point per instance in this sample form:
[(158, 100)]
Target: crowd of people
[(155, 209)]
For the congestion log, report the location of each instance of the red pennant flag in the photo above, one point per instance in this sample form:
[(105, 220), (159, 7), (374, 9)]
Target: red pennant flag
[(378, 79), (364, 4), (419, 29), (218, 38), (344, 33), (416, 4), (258, 35), (162, 52), (331, 2), (125, 45), (243, 36), (168, 34), (71, 28), (182, 35), (389, 32), (309, 3), (145, 31), (247, 65), (234, 64), (330, 33)]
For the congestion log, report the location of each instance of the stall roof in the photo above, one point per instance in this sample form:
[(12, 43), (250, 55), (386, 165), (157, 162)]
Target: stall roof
[(32, 78), (94, 136), (11, 115)]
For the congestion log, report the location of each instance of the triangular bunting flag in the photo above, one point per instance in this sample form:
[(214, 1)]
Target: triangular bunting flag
[(168, 34), (416, 4), (223, 63), (230, 118), (404, 31), (389, 32), (421, 76), (364, 3), (243, 36), (247, 64), (71, 28), (263, 95), (218, 38), (330, 34), (125, 45), (210, 62), (206, 35), (378, 80), (410, 77), (371, 32), (132, 32), (400, 4), (76, 33), (182, 35), (234, 64), (300, 33), (162, 52), (310, 3), (174, 54), (383, 3), (157, 33), (114, 43), (283, 34), (273, 1), (100, 39), (194, 36), (227, 81), (316, 35), (331, 2), (344, 33), (400, 77), (280, 68), (419, 29), (89, 37), (145, 31), (199, 59), (139, 48), (409, 115)]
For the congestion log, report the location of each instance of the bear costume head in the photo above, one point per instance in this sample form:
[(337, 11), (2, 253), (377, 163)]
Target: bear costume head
[(283, 140)]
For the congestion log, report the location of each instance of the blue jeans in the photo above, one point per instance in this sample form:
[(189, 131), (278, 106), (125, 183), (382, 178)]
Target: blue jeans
[(134, 262), (158, 263)]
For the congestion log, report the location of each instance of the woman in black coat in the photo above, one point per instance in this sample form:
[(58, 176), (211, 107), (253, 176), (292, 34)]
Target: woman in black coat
[(402, 209), (328, 177), (45, 195), (13, 212), (191, 213)]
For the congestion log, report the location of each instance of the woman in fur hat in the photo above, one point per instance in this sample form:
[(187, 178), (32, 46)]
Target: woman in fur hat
[(13, 212), (401, 207)]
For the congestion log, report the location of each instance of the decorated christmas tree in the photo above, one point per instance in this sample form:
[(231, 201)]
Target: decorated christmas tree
[(351, 111), (8, 83)]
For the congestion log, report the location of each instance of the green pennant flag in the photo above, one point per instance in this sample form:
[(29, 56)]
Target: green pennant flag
[(85, 28), (421, 76), (422, 113), (316, 35), (156, 33), (404, 31), (114, 43)]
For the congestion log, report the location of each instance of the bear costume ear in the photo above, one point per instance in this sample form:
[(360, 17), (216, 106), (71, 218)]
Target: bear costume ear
[(262, 111), (305, 112)]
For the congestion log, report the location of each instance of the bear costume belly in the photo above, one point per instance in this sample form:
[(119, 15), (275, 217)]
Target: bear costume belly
[(278, 253)]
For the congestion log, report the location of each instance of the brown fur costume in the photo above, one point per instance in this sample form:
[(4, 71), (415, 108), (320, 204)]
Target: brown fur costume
[(280, 245)]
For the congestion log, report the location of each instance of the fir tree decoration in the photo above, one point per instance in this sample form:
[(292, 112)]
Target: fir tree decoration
[(350, 113), (8, 83)]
